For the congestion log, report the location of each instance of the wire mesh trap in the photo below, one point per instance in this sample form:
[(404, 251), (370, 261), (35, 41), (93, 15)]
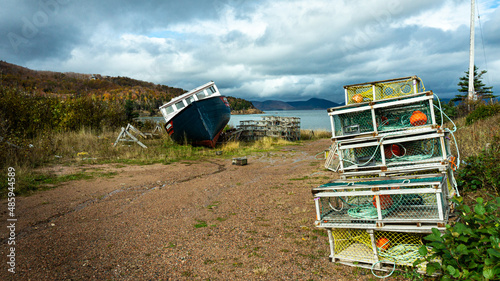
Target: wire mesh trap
[(383, 117), (381, 250), (385, 89), (401, 153), (376, 203)]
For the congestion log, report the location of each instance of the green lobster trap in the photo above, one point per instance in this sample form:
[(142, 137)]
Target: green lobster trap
[(415, 203), (424, 151), (379, 250), (385, 89), (409, 114)]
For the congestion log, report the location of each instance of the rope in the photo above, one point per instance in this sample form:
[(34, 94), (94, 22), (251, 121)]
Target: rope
[(368, 161), (392, 271), (403, 254)]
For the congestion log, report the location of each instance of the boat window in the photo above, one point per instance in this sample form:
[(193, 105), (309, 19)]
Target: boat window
[(200, 95), (179, 105), (212, 89), (169, 109), (190, 100)]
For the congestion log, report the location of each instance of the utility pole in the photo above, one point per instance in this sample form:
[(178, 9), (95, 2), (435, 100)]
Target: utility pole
[(472, 94)]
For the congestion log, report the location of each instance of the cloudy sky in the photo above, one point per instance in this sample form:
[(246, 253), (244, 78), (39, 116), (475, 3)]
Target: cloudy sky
[(257, 50)]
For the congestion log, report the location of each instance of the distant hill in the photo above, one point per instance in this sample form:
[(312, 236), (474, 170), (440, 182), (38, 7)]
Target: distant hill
[(146, 97), (313, 103)]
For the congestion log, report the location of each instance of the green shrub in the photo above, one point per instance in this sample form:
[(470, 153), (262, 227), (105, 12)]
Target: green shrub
[(482, 171), (483, 111), (470, 249)]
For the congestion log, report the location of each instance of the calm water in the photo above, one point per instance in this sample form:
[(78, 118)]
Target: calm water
[(309, 119)]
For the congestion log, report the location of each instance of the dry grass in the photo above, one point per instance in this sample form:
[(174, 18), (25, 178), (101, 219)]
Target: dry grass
[(90, 147), (315, 134), (472, 139)]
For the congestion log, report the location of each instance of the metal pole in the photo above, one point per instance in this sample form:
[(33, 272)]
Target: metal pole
[(472, 95)]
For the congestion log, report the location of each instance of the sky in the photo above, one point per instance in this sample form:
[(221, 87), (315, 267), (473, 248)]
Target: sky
[(256, 50)]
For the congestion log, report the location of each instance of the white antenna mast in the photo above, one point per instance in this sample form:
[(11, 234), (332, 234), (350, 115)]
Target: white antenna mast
[(472, 94)]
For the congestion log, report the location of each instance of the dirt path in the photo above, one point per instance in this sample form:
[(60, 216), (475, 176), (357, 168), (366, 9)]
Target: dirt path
[(186, 221)]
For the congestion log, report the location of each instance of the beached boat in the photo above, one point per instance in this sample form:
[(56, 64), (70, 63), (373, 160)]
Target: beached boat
[(198, 116)]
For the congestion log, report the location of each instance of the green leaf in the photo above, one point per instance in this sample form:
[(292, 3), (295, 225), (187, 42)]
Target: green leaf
[(432, 237), (480, 210), (480, 200), (423, 251), (459, 227), (436, 232), (493, 252), (453, 272), (432, 267), (462, 249), (489, 273)]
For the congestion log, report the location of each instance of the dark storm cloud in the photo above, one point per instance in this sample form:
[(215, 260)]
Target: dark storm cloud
[(253, 49)]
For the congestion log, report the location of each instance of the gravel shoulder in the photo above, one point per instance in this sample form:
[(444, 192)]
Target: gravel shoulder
[(207, 220)]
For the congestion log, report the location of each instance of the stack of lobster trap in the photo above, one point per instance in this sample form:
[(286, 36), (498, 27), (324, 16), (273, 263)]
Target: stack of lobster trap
[(396, 180)]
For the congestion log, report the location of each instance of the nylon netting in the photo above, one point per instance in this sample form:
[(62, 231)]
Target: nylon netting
[(394, 247), (392, 207), (384, 119), (396, 154), (382, 90)]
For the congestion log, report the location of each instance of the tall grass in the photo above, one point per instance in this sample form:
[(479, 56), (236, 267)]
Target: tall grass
[(315, 134), (88, 146), (472, 139)]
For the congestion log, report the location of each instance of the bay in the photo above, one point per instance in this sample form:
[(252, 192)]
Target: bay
[(309, 119)]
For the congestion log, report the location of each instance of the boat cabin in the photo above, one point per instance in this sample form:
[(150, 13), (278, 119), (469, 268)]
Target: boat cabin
[(176, 104)]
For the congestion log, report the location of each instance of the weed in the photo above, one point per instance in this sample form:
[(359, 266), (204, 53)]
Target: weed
[(482, 171), (470, 249), (208, 261), (260, 270), (200, 224)]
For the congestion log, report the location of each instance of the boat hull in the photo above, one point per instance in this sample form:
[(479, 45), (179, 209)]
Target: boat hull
[(201, 122)]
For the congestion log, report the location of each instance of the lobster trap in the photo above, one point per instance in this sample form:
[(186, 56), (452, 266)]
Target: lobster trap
[(415, 203), (385, 89), (380, 250), (397, 154), (409, 114)]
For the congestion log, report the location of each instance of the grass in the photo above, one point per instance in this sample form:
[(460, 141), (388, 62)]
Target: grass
[(472, 139), (89, 147), (200, 224)]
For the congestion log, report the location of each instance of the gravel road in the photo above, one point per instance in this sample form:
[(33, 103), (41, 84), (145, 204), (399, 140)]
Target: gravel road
[(207, 220)]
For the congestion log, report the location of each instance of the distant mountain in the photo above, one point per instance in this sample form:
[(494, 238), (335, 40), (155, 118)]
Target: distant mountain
[(313, 103)]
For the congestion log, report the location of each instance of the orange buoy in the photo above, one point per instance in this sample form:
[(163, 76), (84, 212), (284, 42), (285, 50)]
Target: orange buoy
[(385, 201), (418, 118), (392, 150), (357, 98), (383, 243)]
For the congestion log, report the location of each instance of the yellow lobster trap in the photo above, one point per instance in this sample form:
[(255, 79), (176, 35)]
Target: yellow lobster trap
[(379, 250), (384, 89)]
